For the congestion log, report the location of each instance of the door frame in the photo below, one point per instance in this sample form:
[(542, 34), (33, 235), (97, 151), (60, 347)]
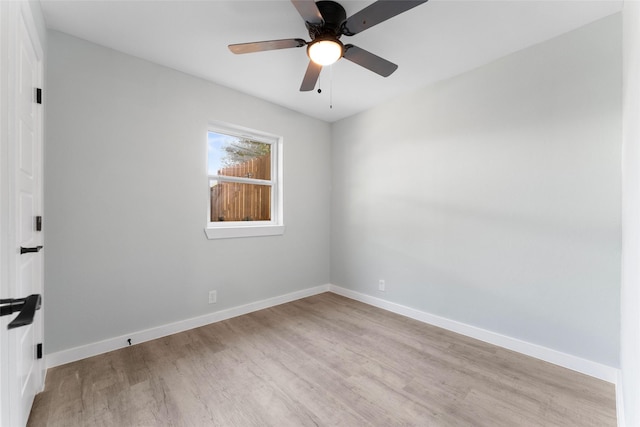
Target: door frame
[(4, 210), (9, 15)]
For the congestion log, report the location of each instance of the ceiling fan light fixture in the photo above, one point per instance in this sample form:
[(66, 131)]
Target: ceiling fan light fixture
[(325, 52)]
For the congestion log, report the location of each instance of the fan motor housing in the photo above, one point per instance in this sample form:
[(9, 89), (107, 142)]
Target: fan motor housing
[(333, 15)]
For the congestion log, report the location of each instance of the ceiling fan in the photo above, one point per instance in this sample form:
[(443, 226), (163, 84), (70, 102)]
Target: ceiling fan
[(326, 22)]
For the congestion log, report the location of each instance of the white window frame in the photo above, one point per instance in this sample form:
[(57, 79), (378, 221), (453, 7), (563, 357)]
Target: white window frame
[(236, 229)]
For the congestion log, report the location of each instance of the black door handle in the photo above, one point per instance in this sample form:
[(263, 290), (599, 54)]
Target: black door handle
[(26, 306), (29, 250)]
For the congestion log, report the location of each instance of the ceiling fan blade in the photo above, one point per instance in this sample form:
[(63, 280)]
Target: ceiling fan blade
[(376, 13), (369, 61), (308, 10), (266, 45), (310, 77)]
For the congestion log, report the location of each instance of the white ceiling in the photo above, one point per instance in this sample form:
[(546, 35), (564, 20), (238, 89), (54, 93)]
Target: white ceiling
[(431, 42)]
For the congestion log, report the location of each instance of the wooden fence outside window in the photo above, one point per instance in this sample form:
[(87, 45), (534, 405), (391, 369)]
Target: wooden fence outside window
[(233, 201)]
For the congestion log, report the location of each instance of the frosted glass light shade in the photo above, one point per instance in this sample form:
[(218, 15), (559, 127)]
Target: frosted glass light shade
[(325, 52)]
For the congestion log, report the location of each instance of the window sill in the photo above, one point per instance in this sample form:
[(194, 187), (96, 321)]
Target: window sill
[(243, 231)]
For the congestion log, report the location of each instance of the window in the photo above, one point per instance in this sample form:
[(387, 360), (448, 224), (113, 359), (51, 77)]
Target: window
[(245, 189)]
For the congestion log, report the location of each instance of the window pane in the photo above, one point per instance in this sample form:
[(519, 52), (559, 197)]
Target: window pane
[(241, 157), (233, 201)]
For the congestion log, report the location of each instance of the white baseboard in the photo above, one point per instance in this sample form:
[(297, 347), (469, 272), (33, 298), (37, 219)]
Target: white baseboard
[(93, 349), (594, 369), (575, 363)]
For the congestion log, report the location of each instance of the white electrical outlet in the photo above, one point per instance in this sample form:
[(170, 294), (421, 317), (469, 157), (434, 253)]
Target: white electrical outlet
[(381, 285), (213, 297)]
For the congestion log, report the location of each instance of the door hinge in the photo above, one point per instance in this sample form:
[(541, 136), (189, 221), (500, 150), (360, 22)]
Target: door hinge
[(39, 351), (39, 223), (39, 95)]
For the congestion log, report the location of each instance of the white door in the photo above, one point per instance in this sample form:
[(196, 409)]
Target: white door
[(23, 372)]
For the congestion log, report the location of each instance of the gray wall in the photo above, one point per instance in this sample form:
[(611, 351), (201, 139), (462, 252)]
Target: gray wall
[(126, 198), (493, 198)]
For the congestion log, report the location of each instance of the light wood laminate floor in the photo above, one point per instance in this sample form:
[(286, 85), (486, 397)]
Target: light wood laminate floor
[(321, 361)]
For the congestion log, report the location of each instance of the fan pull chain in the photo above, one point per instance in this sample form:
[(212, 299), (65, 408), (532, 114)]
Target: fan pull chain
[(330, 85)]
